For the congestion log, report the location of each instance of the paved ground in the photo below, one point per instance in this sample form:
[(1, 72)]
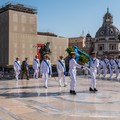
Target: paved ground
[(29, 100)]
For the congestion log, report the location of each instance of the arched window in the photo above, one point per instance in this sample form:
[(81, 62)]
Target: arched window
[(112, 46), (101, 47)]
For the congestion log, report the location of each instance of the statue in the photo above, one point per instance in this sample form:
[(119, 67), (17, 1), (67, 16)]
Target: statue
[(44, 50)]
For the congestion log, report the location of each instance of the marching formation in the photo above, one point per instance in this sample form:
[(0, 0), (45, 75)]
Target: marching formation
[(95, 66)]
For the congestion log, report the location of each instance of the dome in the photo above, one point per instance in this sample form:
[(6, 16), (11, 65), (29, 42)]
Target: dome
[(107, 31), (88, 35), (108, 15)]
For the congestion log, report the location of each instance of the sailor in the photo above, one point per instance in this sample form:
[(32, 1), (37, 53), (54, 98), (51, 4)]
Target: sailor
[(100, 67), (17, 67), (61, 69), (111, 66), (25, 68), (105, 66), (117, 67), (36, 67), (72, 71), (50, 64), (94, 64), (45, 69)]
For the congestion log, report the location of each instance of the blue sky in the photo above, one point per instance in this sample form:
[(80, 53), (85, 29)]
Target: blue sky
[(69, 18)]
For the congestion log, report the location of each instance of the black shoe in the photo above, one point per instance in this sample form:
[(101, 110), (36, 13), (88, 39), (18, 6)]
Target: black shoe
[(74, 93), (95, 90), (71, 91), (90, 89)]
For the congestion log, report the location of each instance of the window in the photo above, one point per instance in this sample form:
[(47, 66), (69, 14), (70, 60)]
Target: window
[(101, 47), (15, 18), (102, 32), (23, 19), (112, 46), (32, 20), (15, 28)]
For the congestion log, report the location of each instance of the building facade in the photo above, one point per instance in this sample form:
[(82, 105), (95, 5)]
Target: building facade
[(19, 36), (107, 40), (77, 41)]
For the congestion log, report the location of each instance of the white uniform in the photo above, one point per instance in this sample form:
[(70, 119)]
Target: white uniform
[(105, 65), (72, 70), (61, 71), (50, 67), (100, 67), (86, 70), (17, 68), (94, 64), (46, 71), (111, 66), (117, 62), (36, 67)]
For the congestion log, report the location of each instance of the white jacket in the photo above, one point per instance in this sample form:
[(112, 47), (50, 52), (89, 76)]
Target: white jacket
[(94, 63), (17, 66), (60, 67), (44, 67), (73, 64), (36, 64)]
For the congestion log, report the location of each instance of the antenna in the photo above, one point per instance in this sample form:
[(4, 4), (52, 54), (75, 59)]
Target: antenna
[(107, 9), (82, 32)]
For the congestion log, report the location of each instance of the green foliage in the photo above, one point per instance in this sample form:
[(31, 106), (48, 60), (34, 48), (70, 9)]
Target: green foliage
[(82, 59), (69, 50)]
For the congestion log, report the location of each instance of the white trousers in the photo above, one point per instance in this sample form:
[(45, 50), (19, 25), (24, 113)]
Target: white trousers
[(45, 79), (72, 79), (17, 74), (116, 71), (93, 73), (111, 72), (99, 71), (36, 71), (61, 78), (104, 72)]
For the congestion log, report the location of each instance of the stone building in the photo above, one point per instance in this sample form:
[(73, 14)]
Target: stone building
[(107, 40), (19, 36), (77, 41)]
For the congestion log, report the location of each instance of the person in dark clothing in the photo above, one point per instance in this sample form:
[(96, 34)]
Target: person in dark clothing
[(25, 69)]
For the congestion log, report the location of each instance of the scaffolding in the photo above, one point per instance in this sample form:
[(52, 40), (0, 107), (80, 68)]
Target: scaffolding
[(18, 7)]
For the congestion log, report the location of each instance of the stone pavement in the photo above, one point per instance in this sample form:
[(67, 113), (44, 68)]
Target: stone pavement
[(29, 100)]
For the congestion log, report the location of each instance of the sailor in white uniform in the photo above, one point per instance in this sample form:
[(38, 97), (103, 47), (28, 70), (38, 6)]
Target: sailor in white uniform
[(50, 64), (45, 70), (61, 69), (72, 71), (105, 66), (36, 67), (17, 67), (111, 65), (100, 67), (94, 64), (117, 67)]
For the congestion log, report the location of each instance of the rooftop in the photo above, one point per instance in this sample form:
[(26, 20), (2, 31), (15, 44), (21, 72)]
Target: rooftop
[(47, 34), (18, 7)]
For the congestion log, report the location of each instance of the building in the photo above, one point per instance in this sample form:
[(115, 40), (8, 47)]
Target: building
[(19, 36), (107, 38), (89, 46), (77, 41)]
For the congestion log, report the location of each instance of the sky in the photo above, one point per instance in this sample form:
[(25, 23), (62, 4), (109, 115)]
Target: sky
[(72, 18)]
